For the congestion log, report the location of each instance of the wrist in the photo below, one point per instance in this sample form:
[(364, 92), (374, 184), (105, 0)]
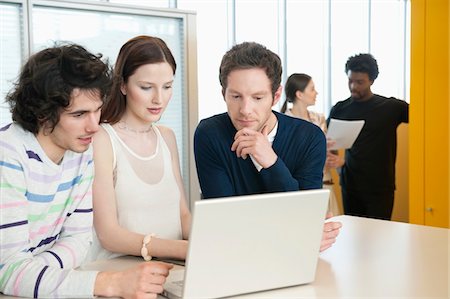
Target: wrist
[(271, 162), (146, 252), (184, 249), (107, 284)]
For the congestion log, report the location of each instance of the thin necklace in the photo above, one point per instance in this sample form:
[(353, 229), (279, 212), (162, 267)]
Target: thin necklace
[(123, 125)]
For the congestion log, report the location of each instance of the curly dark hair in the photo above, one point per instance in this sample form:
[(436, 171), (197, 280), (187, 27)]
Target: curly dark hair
[(45, 84), (136, 52), (363, 63), (248, 55)]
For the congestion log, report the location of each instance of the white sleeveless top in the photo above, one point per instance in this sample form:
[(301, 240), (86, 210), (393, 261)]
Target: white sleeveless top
[(143, 207)]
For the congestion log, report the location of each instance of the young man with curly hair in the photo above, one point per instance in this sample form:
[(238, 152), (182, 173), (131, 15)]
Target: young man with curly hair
[(367, 176)]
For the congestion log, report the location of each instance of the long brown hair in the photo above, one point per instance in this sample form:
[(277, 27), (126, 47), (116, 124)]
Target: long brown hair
[(294, 82), (136, 52)]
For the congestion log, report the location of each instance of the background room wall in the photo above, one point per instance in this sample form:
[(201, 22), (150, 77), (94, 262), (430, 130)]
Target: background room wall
[(314, 37)]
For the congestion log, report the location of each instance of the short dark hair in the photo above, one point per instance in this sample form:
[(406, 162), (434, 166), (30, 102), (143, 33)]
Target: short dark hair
[(248, 55), (44, 87), (294, 82), (135, 53), (363, 63)]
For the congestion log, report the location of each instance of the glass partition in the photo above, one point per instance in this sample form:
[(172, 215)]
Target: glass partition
[(106, 32), (11, 52)]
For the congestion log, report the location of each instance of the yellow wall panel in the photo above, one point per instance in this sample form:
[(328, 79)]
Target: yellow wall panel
[(429, 114), (416, 113)]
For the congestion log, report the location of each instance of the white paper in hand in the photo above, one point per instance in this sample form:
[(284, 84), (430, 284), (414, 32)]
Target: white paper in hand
[(343, 132)]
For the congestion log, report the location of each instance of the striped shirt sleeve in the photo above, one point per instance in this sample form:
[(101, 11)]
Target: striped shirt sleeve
[(42, 239)]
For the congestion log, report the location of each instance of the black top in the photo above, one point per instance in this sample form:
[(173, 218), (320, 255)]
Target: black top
[(370, 162)]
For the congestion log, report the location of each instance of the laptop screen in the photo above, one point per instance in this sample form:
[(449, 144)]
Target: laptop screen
[(252, 243)]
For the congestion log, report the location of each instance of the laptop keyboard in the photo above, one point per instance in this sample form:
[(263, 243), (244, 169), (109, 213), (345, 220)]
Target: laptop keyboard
[(178, 282)]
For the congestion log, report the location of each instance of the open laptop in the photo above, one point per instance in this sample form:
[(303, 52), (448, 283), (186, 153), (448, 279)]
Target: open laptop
[(251, 243)]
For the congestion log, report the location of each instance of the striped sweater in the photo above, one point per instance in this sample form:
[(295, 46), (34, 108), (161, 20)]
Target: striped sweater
[(45, 219)]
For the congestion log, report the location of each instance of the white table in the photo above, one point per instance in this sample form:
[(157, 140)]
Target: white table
[(371, 259), (379, 259)]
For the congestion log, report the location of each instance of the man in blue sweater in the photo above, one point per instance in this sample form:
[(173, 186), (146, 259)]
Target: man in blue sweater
[(253, 149)]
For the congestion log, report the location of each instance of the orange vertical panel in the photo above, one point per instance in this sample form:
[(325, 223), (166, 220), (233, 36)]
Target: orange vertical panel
[(436, 113), (416, 114)]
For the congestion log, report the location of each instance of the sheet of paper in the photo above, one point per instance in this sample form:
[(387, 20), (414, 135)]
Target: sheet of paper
[(344, 132)]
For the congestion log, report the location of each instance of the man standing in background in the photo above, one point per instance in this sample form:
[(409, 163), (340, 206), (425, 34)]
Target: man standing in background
[(367, 176)]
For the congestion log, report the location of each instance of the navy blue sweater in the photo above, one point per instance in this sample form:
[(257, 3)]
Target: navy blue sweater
[(299, 145)]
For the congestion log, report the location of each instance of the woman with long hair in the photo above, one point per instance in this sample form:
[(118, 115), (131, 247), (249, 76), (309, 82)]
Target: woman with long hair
[(139, 203)]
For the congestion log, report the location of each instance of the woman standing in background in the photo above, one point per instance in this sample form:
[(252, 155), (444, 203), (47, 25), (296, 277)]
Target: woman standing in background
[(301, 92)]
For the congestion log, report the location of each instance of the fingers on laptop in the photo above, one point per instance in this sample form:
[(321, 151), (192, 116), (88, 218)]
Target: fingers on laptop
[(332, 226), (158, 268), (326, 243), (150, 278), (330, 233)]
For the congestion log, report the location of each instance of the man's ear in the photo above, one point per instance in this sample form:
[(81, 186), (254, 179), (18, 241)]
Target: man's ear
[(277, 95)]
